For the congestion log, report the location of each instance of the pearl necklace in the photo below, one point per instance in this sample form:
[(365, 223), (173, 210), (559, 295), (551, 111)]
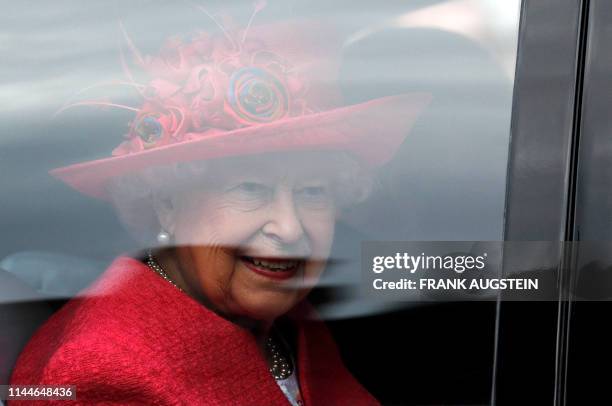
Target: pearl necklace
[(152, 263), (281, 367)]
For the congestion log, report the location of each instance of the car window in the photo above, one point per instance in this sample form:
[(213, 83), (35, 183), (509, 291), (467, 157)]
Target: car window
[(130, 127)]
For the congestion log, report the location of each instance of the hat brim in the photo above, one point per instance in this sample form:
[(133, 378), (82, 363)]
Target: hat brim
[(372, 131)]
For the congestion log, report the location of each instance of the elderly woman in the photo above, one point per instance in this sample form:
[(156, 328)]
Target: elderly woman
[(233, 171)]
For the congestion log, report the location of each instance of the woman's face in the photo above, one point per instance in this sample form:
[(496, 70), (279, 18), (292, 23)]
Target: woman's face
[(253, 238)]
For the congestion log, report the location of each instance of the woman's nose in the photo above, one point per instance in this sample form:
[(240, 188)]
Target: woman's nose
[(284, 223)]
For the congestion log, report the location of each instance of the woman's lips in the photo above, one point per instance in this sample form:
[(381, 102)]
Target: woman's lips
[(273, 268)]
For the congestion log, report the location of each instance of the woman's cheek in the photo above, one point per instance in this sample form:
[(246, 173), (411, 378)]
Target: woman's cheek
[(321, 233)]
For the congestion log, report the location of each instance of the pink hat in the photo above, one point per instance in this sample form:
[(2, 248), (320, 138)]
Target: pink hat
[(247, 91)]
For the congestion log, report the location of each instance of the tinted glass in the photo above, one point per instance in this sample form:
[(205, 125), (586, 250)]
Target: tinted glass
[(284, 134)]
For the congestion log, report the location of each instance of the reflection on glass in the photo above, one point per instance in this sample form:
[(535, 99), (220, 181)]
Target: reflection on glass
[(230, 160)]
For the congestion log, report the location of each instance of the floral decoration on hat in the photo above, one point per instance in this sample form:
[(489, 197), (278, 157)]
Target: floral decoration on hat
[(231, 93), (205, 85), (209, 83)]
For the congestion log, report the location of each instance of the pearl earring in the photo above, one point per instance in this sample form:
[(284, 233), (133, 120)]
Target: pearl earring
[(163, 238)]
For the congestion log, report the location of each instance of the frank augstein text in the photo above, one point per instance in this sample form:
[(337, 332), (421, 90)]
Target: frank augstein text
[(457, 284)]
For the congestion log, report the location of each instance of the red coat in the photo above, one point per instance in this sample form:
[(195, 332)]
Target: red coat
[(135, 339)]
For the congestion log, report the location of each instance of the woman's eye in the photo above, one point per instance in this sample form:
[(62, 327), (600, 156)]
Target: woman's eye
[(314, 191), (249, 195), (251, 191), (251, 187), (314, 195)]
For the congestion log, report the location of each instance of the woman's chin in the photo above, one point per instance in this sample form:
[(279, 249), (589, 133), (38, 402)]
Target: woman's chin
[(263, 294), (266, 306)]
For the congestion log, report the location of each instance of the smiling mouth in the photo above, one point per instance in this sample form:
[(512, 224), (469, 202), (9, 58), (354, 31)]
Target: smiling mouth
[(272, 267)]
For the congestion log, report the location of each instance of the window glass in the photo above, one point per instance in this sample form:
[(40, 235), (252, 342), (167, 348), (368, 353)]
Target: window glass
[(243, 151)]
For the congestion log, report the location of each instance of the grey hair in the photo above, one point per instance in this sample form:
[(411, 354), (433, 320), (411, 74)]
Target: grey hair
[(135, 195)]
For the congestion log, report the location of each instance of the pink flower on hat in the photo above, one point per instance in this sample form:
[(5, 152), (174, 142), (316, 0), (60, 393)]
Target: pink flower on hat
[(255, 95), (155, 125)]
